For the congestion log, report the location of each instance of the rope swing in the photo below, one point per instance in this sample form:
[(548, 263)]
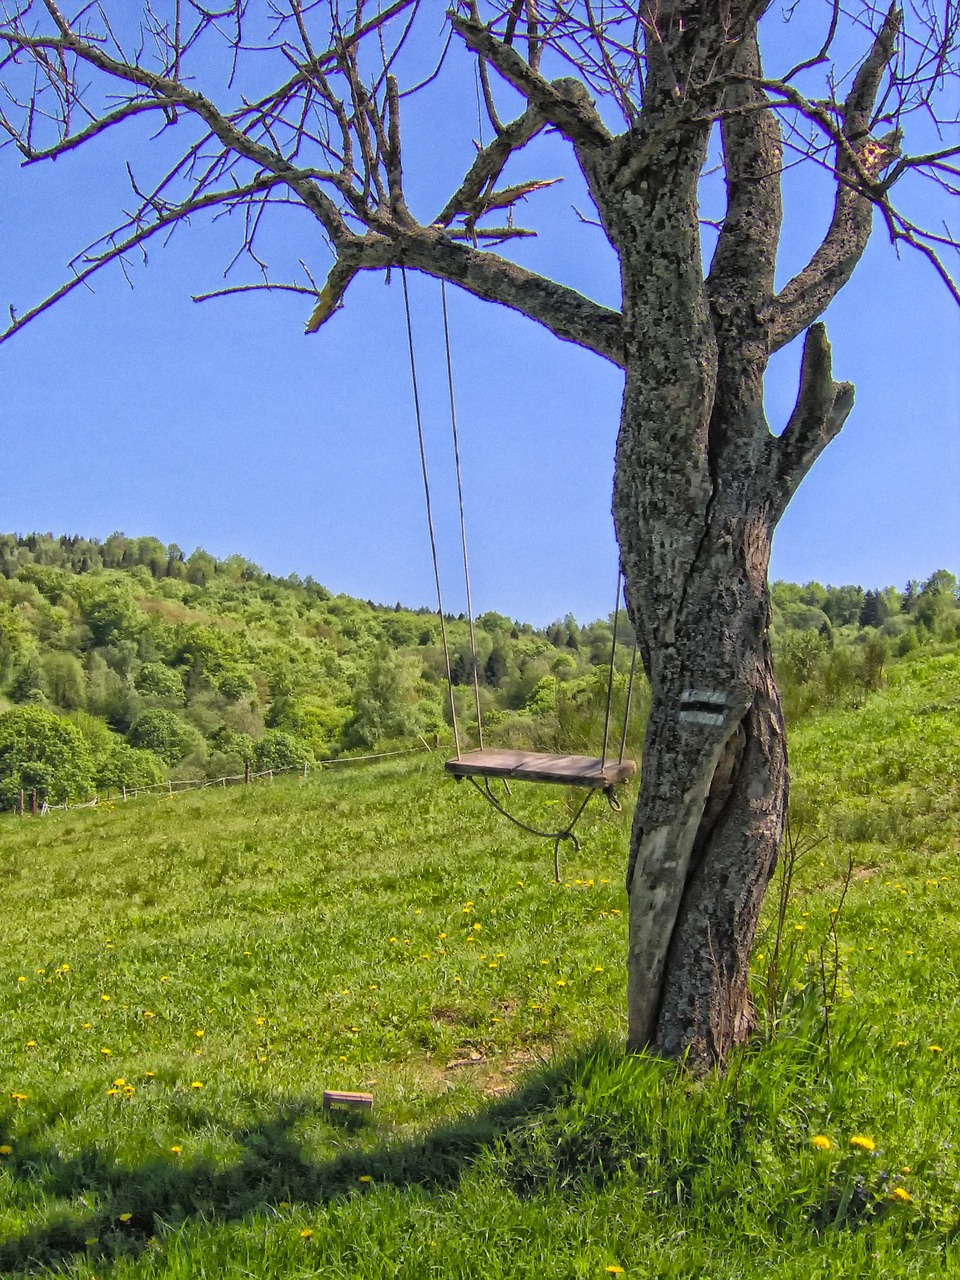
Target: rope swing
[(481, 765)]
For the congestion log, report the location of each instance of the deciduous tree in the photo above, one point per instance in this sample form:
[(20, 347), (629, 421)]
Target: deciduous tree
[(640, 90)]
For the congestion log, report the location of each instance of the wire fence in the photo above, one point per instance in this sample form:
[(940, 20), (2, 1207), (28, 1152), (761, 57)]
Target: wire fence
[(30, 803)]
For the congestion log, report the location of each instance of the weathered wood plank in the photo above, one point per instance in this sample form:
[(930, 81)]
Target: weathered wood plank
[(538, 766), (338, 1098)]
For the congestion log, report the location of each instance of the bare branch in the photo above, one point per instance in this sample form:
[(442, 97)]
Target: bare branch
[(175, 215), (822, 408), (565, 104)]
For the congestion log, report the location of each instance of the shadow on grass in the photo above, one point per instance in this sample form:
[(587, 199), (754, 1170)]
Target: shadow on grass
[(137, 1203)]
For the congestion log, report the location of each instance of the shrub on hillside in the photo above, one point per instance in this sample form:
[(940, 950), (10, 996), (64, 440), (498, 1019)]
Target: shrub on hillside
[(41, 750), (164, 733), (278, 750)]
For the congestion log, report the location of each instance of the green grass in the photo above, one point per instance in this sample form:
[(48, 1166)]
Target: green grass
[(323, 934)]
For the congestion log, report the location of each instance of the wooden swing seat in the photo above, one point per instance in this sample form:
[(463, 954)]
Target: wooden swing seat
[(537, 766)]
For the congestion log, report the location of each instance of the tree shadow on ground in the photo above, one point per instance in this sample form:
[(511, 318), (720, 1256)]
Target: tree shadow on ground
[(134, 1204)]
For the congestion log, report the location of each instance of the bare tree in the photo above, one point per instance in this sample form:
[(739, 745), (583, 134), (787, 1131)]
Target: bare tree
[(638, 89)]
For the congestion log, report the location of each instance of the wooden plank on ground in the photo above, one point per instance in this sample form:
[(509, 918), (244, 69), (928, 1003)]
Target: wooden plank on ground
[(338, 1098), (539, 766)]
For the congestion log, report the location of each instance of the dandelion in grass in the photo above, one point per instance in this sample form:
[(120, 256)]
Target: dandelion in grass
[(87, 1026), (6, 1149), (106, 1052), (124, 1217), (19, 1097), (561, 982), (199, 1033), (31, 1044), (306, 1233), (261, 1022), (149, 1075), (821, 1142), (21, 978), (148, 1013), (119, 1082), (614, 1270), (196, 1084), (91, 1241), (862, 1142), (901, 1195), (176, 1150), (112, 1093), (598, 968), (365, 1177), (935, 1048)]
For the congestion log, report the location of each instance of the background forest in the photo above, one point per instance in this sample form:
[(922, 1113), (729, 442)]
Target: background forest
[(128, 663)]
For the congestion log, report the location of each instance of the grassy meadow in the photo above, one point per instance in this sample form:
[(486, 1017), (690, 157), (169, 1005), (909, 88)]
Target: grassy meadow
[(182, 978)]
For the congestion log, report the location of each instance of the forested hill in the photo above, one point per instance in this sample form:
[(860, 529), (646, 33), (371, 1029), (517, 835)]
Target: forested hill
[(125, 662)]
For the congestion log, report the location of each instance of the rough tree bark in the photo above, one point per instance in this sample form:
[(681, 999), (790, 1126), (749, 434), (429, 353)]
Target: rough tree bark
[(700, 480)]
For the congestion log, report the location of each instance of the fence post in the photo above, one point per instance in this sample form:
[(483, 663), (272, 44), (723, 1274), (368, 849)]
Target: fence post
[(169, 788), (33, 802), (304, 768), (246, 770), (123, 792), (20, 803)]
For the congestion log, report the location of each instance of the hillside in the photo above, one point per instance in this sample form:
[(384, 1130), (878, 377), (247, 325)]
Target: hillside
[(183, 977), (128, 662)]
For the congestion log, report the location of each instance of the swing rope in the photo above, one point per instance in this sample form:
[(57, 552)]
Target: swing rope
[(463, 524), (426, 493)]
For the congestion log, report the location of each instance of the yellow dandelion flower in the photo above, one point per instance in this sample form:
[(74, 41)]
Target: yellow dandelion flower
[(124, 1217), (148, 1013), (935, 1048), (901, 1044), (905, 1169), (821, 1142), (19, 1097), (6, 1150), (112, 1093), (306, 1233), (901, 1194), (164, 978), (261, 1022), (31, 1044), (21, 978), (477, 926), (91, 1240), (614, 1270), (598, 968), (87, 1026), (343, 1057), (148, 1075), (196, 1084), (365, 1177), (39, 971), (176, 1150), (441, 936), (862, 1142), (119, 1082), (199, 1033), (106, 1052), (493, 965)]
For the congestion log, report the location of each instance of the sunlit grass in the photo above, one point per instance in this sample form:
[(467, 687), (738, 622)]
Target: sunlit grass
[(181, 980)]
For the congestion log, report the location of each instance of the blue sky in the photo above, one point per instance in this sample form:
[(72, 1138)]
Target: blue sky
[(222, 425)]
